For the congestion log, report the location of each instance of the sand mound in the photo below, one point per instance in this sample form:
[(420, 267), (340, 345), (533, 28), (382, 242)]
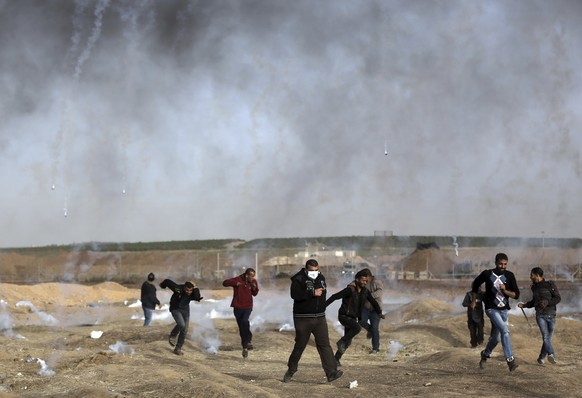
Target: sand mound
[(67, 294), (422, 309)]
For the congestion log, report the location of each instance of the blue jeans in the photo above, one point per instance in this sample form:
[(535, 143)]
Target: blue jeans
[(371, 322), (182, 318), (547, 324), (147, 314), (499, 332)]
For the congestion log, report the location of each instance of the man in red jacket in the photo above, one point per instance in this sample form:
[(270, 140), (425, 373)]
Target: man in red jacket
[(245, 287)]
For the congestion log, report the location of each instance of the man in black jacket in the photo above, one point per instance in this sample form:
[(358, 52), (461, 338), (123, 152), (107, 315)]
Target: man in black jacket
[(545, 298), (354, 296), (180, 310), (148, 299), (500, 286), (308, 290)]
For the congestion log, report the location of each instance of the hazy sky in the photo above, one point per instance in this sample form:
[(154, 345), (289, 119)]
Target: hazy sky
[(211, 119)]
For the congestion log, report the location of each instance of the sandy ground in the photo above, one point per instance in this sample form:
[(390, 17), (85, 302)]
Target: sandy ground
[(48, 350)]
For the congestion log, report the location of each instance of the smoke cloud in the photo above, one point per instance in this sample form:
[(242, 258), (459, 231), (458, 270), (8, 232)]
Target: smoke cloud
[(145, 120)]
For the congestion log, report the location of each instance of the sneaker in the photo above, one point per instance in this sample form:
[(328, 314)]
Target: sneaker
[(483, 360), (288, 375), (541, 361), (245, 352), (375, 352), (336, 374), (512, 364), (250, 346), (178, 351), (552, 359), (172, 340), (341, 346)]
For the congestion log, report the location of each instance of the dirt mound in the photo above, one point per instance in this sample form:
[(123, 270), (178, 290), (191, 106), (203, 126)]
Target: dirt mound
[(432, 260), (67, 294), (422, 310)]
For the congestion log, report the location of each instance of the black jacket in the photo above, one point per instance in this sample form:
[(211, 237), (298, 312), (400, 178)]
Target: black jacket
[(353, 301), (474, 315), (494, 298), (179, 299), (148, 295), (305, 303), (546, 292)]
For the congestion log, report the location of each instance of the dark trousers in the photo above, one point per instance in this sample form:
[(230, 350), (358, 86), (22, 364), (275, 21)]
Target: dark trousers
[(182, 318), (244, 326), (352, 328), (304, 328), (476, 332), (371, 322)]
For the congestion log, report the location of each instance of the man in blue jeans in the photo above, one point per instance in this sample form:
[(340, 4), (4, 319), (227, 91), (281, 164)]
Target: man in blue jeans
[(149, 300), (180, 310), (545, 298), (370, 320), (500, 286)]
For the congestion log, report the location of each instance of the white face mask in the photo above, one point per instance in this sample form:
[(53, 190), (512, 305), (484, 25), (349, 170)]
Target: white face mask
[(312, 274)]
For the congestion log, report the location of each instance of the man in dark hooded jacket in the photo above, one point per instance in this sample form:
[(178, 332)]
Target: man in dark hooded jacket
[(354, 296), (546, 297), (308, 290), (180, 310), (149, 300)]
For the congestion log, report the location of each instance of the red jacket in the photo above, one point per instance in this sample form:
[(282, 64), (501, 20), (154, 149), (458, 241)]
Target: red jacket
[(243, 291)]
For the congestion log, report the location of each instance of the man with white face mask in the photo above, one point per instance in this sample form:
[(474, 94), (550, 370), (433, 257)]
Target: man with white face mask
[(308, 291)]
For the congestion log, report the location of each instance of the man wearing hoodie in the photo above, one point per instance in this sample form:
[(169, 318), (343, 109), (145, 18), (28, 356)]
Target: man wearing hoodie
[(245, 287), (353, 297), (308, 291), (149, 300)]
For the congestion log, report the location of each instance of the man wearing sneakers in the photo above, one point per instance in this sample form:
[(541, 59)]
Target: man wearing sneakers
[(180, 310), (353, 297), (370, 319), (500, 286), (245, 288), (308, 291), (545, 298)]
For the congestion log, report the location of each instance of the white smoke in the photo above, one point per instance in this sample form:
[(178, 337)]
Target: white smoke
[(443, 84), (394, 348), (6, 320), (46, 319), (121, 348)]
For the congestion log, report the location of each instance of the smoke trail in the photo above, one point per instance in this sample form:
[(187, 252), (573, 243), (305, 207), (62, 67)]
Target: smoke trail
[(182, 18), (95, 34), (77, 21), (45, 318), (5, 319)]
